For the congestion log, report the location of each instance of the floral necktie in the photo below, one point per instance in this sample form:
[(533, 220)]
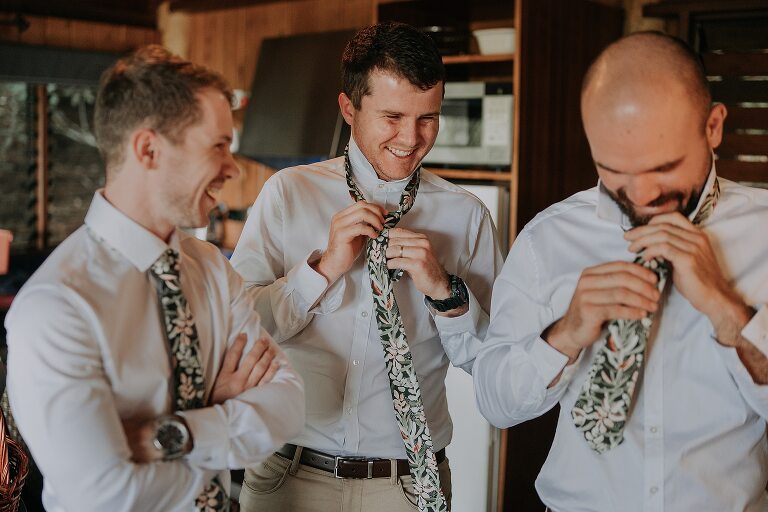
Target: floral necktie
[(188, 378), (403, 383), (601, 412)]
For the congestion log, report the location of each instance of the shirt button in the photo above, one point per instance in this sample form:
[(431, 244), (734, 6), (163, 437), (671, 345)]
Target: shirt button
[(654, 489), (654, 430), (349, 410), (355, 362), (364, 314), (381, 185)]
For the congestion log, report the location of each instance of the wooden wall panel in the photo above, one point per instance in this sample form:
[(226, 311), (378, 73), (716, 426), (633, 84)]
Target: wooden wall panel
[(83, 35), (229, 41)]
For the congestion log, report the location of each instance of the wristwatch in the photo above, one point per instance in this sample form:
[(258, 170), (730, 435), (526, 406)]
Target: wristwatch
[(172, 436), (458, 297)]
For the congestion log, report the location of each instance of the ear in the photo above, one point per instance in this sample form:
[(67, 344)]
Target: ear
[(714, 127), (347, 108), (145, 147)]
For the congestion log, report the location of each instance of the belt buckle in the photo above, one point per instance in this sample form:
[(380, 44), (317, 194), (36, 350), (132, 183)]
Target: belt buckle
[(337, 459)]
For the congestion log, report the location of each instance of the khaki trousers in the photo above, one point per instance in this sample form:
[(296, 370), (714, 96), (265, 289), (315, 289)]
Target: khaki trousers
[(282, 485)]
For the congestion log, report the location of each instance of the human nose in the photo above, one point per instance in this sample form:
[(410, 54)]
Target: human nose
[(230, 169), (409, 133), (643, 190)]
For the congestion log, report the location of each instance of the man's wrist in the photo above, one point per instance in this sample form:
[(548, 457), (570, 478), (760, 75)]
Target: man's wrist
[(322, 267), (454, 301), (729, 319), (559, 340)]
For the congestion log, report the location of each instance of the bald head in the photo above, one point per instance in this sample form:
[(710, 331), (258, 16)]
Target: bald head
[(646, 70), (650, 124)]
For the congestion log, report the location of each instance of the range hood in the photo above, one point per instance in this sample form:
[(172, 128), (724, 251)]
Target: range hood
[(293, 114)]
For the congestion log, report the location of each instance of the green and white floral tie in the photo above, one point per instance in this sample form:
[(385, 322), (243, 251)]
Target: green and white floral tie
[(602, 410), (188, 377), (403, 383)]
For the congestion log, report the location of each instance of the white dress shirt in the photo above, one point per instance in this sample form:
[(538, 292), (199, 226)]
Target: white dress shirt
[(696, 439), (330, 333), (87, 349)]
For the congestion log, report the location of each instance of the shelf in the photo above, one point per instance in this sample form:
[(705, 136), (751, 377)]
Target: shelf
[(471, 174), (478, 59)]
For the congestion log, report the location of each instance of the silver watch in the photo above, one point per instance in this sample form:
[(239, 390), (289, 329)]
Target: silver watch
[(172, 436)]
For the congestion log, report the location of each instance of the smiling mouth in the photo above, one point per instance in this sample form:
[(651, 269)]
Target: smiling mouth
[(399, 152), (213, 191)]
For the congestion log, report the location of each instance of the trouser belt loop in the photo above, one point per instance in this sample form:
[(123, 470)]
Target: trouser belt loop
[(393, 472), (295, 462)]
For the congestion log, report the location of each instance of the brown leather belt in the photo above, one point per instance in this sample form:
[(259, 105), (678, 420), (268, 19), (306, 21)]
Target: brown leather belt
[(349, 467)]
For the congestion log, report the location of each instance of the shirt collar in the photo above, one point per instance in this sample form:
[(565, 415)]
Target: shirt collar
[(607, 209), (136, 243), (366, 176)]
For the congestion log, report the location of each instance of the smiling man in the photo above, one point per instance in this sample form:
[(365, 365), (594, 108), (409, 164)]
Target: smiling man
[(138, 370), (373, 349), (638, 319)]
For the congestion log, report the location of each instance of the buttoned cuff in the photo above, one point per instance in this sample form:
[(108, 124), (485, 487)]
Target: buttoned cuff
[(756, 330), (210, 435), (549, 362), (317, 295), (467, 322)]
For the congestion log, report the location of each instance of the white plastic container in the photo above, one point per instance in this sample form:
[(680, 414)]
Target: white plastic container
[(495, 40)]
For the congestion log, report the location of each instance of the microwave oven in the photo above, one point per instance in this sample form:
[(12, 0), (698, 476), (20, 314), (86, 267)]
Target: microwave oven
[(475, 126)]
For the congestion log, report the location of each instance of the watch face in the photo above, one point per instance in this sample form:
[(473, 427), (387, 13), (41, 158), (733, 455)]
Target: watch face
[(171, 437)]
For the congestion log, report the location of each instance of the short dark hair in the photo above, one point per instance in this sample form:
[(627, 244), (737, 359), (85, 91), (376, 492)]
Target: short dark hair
[(151, 87), (689, 66), (392, 47)]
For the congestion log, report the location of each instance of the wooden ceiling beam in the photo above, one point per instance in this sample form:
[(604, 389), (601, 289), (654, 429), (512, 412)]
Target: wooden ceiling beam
[(671, 8), (214, 5), (141, 14)]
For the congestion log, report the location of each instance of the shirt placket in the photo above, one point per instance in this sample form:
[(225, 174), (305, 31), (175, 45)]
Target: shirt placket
[(653, 421), (364, 329)]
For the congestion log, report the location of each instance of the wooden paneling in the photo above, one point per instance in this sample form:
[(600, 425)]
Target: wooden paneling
[(752, 172), (747, 118), (214, 5), (229, 41), (121, 12), (83, 35), (738, 64), (743, 144), (739, 90)]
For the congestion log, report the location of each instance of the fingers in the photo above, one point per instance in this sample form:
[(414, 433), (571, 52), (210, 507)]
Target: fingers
[(404, 233), (622, 266), (252, 358), (361, 212), (233, 354), (621, 285), (274, 366), (407, 244)]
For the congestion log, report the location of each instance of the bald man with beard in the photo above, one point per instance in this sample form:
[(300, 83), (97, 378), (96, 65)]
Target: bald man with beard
[(637, 305)]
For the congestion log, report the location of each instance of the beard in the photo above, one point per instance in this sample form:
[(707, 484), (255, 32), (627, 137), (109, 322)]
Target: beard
[(628, 209)]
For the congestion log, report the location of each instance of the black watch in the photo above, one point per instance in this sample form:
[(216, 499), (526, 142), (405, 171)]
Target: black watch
[(172, 436), (458, 297)]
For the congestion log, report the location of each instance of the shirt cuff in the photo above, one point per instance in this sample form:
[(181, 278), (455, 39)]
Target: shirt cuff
[(756, 330), (467, 322), (317, 295), (548, 361), (209, 434)]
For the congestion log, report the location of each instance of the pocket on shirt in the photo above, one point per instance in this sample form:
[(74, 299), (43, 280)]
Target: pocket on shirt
[(267, 477)]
